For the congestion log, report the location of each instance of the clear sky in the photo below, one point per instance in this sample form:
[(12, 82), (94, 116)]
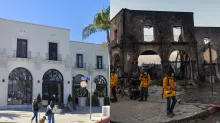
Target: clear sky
[(71, 14), (206, 13)]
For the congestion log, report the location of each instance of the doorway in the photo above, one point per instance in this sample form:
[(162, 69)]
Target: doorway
[(52, 87)]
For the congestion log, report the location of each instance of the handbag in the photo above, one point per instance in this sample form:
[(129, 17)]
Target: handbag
[(48, 112)]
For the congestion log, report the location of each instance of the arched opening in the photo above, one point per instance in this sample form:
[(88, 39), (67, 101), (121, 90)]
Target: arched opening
[(180, 64), (207, 62), (150, 61), (20, 87), (52, 86), (77, 90), (101, 86)]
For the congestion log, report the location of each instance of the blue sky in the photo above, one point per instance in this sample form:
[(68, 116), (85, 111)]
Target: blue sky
[(71, 14), (206, 12)]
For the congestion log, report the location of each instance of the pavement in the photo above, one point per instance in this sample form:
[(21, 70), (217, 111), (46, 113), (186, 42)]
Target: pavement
[(154, 110), (81, 115)]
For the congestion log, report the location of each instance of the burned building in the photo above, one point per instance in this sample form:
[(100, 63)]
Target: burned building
[(139, 32)]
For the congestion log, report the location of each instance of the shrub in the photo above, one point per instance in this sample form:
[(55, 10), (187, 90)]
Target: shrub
[(69, 99), (39, 98), (106, 101), (95, 101)]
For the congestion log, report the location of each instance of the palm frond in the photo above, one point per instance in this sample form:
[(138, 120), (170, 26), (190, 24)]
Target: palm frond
[(90, 29)]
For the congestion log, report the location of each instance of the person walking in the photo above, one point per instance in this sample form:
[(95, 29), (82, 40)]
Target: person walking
[(169, 92), (145, 82), (50, 112), (35, 110)]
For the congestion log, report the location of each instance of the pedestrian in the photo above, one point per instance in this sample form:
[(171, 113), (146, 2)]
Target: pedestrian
[(114, 87), (145, 82), (169, 92), (50, 112), (35, 110)]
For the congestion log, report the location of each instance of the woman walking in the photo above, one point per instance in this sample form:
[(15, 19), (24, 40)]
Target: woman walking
[(50, 112), (35, 110)]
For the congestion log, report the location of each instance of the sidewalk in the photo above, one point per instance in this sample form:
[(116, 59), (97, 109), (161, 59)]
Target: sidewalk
[(81, 115), (153, 110)]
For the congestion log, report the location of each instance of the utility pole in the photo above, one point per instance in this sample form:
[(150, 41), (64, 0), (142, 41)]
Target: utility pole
[(210, 65)]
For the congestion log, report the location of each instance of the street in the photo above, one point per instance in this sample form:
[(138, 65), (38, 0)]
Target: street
[(215, 118)]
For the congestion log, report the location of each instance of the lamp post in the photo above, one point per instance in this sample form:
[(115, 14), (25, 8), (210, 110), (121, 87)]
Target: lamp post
[(90, 71)]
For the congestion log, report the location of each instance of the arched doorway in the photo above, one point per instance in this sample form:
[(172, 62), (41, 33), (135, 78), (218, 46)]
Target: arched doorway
[(20, 87), (180, 64), (101, 85), (77, 90), (52, 86), (150, 61)]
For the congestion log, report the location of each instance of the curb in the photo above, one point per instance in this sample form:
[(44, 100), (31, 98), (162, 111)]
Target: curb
[(105, 120), (212, 109)]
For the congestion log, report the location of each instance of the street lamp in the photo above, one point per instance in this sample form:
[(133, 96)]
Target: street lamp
[(90, 71)]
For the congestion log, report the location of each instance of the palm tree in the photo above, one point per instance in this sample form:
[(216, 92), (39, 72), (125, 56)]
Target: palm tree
[(100, 23)]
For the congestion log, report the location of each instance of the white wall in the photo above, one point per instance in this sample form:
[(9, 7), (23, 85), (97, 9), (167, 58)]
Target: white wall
[(38, 37), (89, 51)]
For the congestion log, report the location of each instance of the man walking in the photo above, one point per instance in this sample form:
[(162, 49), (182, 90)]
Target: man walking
[(113, 84), (145, 82), (169, 92)]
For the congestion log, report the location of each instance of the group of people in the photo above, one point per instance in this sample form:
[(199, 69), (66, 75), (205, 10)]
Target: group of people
[(49, 112), (169, 91)]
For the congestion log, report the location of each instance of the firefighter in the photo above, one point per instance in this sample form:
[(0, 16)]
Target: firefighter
[(111, 86), (114, 83), (145, 82), (169, 92)]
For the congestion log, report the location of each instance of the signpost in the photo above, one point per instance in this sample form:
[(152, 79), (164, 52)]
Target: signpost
[(90, 86)]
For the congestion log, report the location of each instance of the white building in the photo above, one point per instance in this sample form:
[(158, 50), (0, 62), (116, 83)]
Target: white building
[(37, 59)]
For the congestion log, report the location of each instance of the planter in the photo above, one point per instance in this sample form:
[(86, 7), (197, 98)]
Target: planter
[(82, 101), (101, 101)]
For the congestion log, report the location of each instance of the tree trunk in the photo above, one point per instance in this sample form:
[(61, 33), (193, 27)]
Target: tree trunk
[(109, 48)]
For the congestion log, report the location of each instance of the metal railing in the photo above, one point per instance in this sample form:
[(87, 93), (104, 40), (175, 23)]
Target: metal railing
[(79, 65), (28, 55), (54, 57), (100, 67)]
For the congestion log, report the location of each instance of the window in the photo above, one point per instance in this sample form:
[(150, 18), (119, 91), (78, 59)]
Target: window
[(177, 33), (99, 62), (148, 33), (206, 40), (79, 60), (52, 51), (21, 48)]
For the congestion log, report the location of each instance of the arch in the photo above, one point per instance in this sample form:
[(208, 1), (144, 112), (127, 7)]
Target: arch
[(52, 86), (78, 91), (20, 87), (101, 85), (52, 75), (206, 55), (180, 63), (152, 64)]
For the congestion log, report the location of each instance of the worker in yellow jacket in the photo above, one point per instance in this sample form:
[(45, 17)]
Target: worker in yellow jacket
[(169, 92), (145, 82), (113, 84)]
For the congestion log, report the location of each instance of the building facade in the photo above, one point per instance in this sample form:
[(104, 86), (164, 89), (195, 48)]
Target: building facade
[(37, 59)]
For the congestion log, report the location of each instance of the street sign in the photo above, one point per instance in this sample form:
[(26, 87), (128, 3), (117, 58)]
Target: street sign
[(85, 78), (89, 85), (83, 84)]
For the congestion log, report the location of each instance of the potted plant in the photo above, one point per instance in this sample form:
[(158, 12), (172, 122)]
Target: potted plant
[(95, 101), (39, 101), (82, 94), (100, 96)]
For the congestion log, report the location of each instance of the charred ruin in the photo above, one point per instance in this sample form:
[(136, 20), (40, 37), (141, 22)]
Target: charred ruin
[(129, 40)]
